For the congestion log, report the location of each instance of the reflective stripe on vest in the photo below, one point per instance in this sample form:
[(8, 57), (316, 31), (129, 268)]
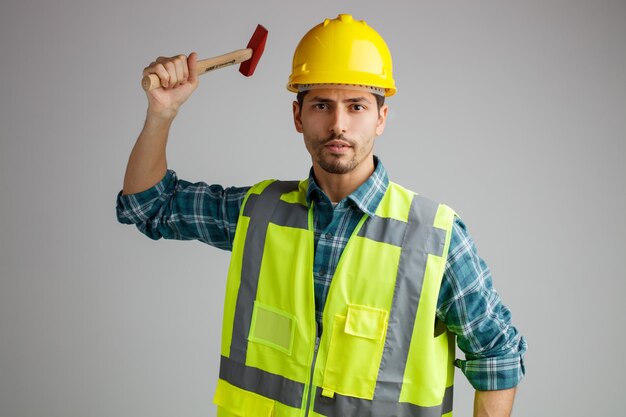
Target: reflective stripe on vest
[(278, 367)]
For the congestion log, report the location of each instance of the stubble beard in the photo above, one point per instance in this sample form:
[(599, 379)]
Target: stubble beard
[(334, 164)]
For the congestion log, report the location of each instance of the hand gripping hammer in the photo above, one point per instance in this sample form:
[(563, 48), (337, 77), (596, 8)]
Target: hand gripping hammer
[(248, 57)]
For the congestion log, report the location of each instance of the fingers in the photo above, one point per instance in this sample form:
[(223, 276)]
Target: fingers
[(172, 71)]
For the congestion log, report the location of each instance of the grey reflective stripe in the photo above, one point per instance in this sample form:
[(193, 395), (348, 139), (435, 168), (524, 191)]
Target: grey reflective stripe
[(250, 203), (291, 215), (448, 400), (341, 406), (264, 206), (385, 230), (269, 385), (284, 214), (420, 239)]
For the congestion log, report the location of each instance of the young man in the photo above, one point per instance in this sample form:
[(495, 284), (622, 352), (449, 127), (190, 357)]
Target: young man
[(346, 291)]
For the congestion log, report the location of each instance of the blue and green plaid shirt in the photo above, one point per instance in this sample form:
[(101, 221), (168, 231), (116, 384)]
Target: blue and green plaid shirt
[(468, 303)]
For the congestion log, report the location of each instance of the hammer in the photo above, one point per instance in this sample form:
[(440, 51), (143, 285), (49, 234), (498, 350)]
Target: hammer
[(248, 57)]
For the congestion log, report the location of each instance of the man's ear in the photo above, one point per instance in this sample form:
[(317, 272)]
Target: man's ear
[(297, 120), (382, 119)]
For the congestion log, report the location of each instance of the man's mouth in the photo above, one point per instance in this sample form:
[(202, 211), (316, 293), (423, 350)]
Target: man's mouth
[(337, 146)]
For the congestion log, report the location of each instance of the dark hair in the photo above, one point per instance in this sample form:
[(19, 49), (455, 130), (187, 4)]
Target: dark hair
[(380, 100)]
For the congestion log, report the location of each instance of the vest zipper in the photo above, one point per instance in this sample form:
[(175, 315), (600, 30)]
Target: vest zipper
[(310, 390)]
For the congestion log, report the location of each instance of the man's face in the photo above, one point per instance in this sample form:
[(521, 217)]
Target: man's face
[(339, 127)]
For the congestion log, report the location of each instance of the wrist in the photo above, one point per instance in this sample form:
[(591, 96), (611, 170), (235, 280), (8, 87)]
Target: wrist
[(160, 116)]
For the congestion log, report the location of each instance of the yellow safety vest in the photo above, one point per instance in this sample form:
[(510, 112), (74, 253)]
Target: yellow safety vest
[(382, 352)]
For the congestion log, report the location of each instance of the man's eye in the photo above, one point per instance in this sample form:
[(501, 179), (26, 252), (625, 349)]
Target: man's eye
[(358, 107), (320, 106)]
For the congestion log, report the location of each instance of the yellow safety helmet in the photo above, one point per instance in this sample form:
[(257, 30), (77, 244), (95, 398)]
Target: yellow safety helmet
[(342, 51)]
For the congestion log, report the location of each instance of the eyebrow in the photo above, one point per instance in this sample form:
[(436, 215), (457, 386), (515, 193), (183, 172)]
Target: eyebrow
[(360, 99)]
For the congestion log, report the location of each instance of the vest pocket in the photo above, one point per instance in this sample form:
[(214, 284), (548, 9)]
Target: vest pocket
[(356, 346), (272, 327), (233, 401)]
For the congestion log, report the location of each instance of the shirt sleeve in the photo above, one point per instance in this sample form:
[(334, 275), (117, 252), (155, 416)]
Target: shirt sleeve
[(472, 309), (178, 209)]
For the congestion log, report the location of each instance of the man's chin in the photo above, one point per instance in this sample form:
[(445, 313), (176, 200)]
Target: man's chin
[(337, 166)]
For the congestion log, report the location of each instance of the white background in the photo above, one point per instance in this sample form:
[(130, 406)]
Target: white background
[(513, 113)]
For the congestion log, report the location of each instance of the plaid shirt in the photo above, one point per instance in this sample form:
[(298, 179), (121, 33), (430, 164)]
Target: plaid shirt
[(467, 304)]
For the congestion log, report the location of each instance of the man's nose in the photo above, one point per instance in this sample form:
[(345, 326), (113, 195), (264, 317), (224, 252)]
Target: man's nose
[(339, 122)]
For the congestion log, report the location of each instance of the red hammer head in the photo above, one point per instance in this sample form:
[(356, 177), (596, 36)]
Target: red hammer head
[(257, 44)]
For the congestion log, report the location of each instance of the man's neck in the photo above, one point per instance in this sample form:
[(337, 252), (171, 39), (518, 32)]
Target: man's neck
[(339, 186)]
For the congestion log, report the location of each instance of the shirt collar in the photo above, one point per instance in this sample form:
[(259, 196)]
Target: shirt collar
[(366, 198)]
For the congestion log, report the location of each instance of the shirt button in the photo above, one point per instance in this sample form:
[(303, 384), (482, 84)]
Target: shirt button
[(322, 272), (329, 235)]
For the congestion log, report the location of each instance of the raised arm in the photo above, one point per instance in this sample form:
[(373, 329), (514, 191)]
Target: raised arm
[(147, 163)]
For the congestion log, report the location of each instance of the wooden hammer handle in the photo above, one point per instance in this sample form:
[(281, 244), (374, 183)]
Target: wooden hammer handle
[(152, 81)]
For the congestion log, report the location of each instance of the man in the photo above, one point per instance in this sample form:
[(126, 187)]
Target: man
[(345, 291)]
